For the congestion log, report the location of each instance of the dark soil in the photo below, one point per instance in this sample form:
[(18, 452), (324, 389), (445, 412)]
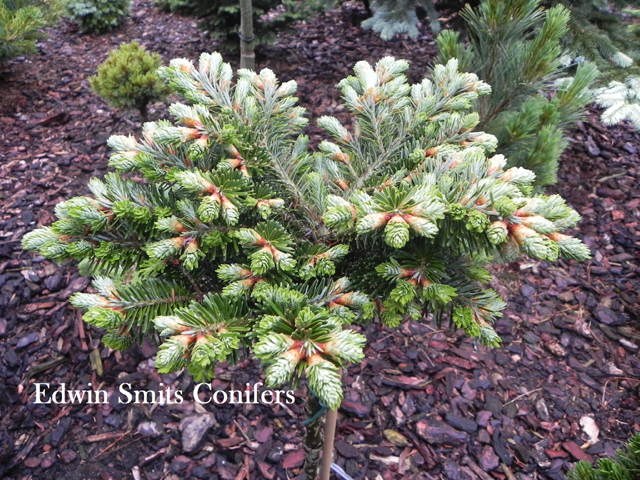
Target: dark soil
[(425, 404)]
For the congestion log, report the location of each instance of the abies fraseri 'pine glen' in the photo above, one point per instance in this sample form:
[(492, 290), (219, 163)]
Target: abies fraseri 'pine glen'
[(233, 237)]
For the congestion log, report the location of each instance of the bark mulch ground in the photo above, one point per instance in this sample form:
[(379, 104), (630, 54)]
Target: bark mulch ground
[(425, 404)]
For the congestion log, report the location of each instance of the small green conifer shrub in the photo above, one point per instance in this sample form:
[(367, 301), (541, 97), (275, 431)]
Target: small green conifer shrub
[(128, 78), (232, 237), (52, 10), (624, 466), (98, 16), (21, 25), (515, 46)]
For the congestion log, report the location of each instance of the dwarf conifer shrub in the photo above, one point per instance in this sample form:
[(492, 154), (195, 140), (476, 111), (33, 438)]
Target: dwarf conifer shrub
[(515, 46), (20, 26), (624, 466), (128, 78), (234, 238), (98, 16)]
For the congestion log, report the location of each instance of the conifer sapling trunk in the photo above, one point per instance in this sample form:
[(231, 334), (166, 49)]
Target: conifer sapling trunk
[(247, 45), (313, 437), (144, 114)]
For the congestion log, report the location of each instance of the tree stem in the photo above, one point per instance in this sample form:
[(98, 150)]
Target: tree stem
[(312, 439), (247, 44), (143, 113)]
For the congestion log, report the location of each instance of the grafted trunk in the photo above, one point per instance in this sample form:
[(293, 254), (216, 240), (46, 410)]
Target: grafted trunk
[(144, 115), (313, 438)]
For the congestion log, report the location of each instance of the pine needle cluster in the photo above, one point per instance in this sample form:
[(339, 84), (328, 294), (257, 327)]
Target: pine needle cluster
[(21, 25), (128, 78), (228, 236), (624, 466), (515, 45), (605, 33)]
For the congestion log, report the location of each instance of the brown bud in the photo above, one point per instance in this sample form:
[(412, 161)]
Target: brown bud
[(341, 157), (342, 183), (192, 122), (189, 133), (557, 237), (520, 232), (234, 151), (234, 162), (192, 247), (314, 359), (178, 242), (397, 219), (431, 152), (293, 355)]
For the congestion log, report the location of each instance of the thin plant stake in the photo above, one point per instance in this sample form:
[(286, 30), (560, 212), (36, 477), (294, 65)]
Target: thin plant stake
[(329, 436)]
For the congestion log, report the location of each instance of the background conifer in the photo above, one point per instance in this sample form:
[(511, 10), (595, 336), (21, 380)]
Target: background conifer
[(98, 16), (624, 466), (605, 33), (515, 45), (128, 78), (22, 23)]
